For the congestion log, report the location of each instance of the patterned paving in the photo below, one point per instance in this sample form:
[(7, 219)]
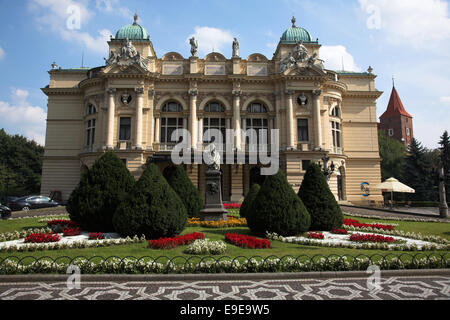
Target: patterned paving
[(392, 288)]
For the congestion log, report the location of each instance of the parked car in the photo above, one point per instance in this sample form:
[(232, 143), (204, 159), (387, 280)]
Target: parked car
[(5, 212), (32, 202)]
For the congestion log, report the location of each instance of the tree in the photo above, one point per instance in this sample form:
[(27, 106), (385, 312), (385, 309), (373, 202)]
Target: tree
[(418, 173), (152, 208), (278, 209), (392, 153), (20, 165), (445, 160), (100, 191), (185, 189), (248, 201), (317, 197)]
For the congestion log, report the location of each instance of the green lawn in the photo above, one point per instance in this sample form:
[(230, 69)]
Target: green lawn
[(278, 248)]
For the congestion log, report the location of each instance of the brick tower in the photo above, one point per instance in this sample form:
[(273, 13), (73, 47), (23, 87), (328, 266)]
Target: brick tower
[(395, 121)]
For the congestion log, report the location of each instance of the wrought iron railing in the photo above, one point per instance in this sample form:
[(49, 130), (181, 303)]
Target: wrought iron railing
[(223, 264)]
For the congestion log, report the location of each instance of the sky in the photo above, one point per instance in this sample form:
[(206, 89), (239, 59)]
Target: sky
[(408, 40)]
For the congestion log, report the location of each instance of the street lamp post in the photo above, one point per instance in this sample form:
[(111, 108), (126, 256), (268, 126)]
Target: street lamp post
[(443, 207), (327, 169)]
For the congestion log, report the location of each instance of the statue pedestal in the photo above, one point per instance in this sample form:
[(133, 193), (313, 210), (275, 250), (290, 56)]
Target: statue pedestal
[(213, 209)]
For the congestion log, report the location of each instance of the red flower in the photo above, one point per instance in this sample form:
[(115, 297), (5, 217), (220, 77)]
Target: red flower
[(370, 238), (42, 238), (339, 231), (96, 236), (169, 243), (248, 242), (314, 235), (357, 224)]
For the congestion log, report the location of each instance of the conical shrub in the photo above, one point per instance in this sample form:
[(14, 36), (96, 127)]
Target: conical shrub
[(152, 208), (185, 189), (100, 190), (315, 193), (248, 201), (277, 209)]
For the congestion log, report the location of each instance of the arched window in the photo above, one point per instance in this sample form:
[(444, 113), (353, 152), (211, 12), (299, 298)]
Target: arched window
[(171, 120), (172, 107), (211, 121), (257, 119), (336, 112), (91, 109)]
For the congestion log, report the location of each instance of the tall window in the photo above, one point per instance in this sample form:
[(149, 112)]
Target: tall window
[(125, 129), (91, 109), (337, 134), (214, 120), (171, 120), (302, 130), (257, 120), (90, 132), (336, 129)]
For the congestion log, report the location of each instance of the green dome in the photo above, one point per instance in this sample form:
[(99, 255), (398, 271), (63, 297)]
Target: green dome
[(133, 32), (295, 34)]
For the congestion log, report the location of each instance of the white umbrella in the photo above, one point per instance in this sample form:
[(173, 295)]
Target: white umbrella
[(393, 185)]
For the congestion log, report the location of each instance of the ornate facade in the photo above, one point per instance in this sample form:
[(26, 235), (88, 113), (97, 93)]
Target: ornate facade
[(133, 104)]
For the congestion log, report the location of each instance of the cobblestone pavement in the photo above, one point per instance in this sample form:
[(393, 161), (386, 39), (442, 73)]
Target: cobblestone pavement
[(390, 288)]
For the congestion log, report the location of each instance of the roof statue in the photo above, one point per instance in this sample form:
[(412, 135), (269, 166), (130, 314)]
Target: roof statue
[(236, 52), (194, 47), (128, 56)]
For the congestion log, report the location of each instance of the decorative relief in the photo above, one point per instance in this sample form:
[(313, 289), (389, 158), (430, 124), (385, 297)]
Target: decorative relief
[(172, 69), (257, 70), (127, 56), (215, 69)]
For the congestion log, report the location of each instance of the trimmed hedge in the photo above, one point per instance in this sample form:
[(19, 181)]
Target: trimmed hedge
[(100, 190), (152, 208), (248, 201), (278, 209), (188, 193), (315, 193)]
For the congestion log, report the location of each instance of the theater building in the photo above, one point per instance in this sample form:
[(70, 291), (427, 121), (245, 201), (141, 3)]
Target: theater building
[(134, 103)]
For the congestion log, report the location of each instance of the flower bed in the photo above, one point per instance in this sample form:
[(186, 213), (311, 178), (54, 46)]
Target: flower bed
[(230, 223), (314, 235), (206, 246), (357, 224), (42, 238), (59, 225), (232, 205), (9, 236), (96, 236), (170, 243), (339, 231), (370, 238), (71, 232), (247, 242)]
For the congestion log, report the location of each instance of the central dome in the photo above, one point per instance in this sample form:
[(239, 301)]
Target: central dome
[(295, 34), (133, 32)]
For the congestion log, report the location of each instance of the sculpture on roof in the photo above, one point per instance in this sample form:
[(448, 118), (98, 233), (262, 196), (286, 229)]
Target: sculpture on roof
[(126, 56), (236, 48), (300, 52), (299, 58), (194, 47)]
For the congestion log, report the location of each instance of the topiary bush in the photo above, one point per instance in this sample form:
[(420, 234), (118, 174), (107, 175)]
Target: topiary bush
[(277, 209), (100, 190), (315, 193), (249, 198), (152, 208), (188, 193)]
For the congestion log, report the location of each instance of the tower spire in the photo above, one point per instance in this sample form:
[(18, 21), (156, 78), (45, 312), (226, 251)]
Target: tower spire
[(135, 19), (293, 21)]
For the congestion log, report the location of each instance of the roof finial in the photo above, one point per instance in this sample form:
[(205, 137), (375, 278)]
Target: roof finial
[(293, 22), (135, 19), (393, 81)]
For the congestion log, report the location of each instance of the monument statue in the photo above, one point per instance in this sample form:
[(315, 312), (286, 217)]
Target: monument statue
[(213, 158), (194, 46), (300, 52), (236, 52)]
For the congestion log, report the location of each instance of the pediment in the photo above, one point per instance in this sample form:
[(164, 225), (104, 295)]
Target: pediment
[(257, 57), (215, 57), (172, 56), (299, 70), (124, 69)]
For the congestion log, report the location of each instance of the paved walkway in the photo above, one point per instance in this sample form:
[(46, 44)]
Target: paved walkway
[(431, 214), (392, 286)]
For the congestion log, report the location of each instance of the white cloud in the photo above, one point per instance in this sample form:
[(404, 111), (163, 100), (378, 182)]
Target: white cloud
[(419, 23), (26, 119), (57, 16), (210, 39), (445, 100), (335, 56), (2, 53), (112, 7)]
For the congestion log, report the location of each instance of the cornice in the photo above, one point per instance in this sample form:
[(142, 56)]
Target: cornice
[(61, 91), (363, 94)]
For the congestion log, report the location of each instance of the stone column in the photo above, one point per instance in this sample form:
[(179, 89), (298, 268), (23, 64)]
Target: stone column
[(157, 130), (244, 128), (151, 121), (290, 119), (193, 117), (139, 115), (317, 119), (200, 134), (111, 114), (237, 118)]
